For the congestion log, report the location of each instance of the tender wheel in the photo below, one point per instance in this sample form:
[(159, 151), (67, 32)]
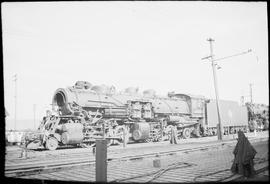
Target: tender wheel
[(51, 143), (119, 132), (186, 133)]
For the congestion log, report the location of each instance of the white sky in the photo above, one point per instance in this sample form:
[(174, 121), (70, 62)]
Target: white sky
[(150, 45)]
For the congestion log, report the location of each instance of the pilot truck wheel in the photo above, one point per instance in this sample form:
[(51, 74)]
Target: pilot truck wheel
[(51, 143)]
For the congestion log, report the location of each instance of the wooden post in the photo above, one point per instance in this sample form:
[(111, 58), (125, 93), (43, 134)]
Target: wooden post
[(219, 134), (101, 160)]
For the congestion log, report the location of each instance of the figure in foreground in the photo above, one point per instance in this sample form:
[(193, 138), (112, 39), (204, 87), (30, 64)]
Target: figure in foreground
[(244, 154)]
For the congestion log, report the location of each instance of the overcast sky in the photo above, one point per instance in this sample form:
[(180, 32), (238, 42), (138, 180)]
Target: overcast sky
[(150, 45)]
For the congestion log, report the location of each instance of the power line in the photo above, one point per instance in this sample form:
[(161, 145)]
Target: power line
[(249, 50)]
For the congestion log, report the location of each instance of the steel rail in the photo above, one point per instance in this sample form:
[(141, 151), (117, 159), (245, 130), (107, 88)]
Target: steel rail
[(86, 154), (33, 168), (74, 160)]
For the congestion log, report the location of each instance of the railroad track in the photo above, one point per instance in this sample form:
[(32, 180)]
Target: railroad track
[(23, 169), (87, 158)]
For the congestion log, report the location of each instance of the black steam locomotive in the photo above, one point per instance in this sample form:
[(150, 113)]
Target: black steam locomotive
[(85, 112)]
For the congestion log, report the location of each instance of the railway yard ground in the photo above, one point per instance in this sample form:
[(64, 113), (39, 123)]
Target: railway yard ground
[(191, 160)]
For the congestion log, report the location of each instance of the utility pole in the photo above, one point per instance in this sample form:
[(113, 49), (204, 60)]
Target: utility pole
[(219, 127), (34, 108), (250, 89), (242, 100), (215, 80), (15, 98)]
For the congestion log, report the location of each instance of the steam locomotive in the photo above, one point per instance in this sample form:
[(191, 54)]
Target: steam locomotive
[(85, 112)]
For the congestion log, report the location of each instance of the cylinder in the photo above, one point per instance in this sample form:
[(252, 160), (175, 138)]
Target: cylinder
[(68, 138), (73, 133)]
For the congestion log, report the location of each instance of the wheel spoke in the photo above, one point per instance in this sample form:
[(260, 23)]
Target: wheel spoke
[(51, 143)]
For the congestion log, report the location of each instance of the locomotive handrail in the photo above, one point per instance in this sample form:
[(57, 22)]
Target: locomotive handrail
[(103, 103), (117, 100)]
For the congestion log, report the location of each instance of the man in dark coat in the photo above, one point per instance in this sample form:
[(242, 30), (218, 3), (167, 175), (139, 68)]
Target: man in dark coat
[(173, 139), (244, 154)]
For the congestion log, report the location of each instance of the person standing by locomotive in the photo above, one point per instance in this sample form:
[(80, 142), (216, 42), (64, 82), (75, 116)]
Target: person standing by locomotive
[(24, 143), (173, 139), (201, 130), (45, 119), (255, 127), (244, 154)]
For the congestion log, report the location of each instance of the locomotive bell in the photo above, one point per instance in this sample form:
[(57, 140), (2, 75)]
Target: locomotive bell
[(83, 85)]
